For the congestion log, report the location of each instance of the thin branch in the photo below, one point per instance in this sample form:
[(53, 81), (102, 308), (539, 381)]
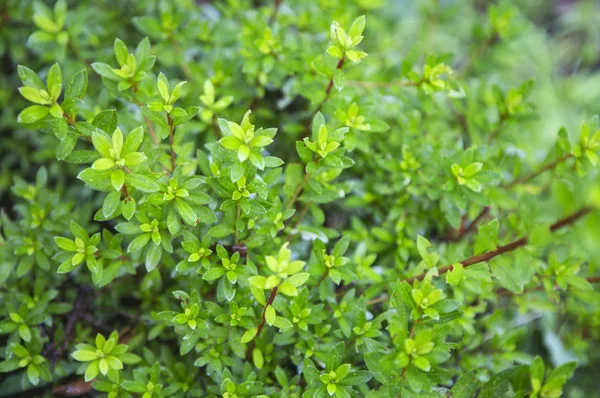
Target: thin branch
[(339, 66), (410, 335), (297, 192), (506, 292), (276, 5), (171, 140), (563, 222), (549, 166), (178, 53), (237, 217), (263, 320), (463, 231), (404, 83), (148, 121), (503, 118), (480, 258)]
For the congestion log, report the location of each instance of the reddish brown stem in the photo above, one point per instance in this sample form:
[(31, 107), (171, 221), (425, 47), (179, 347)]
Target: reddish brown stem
[(549, 166), (148, 122), (276, 5), (503, 118), (506, 292), (358, 83), (171, 140), (507, 248), (340, 65), (463, 231), (263, 320)]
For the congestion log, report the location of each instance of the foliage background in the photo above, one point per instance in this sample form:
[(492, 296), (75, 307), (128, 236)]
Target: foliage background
[(555, 42)]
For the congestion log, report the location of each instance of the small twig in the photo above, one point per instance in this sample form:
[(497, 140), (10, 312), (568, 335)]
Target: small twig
[(463, 231), (503, 118), (171, 140), (563, 222), (405, 83), (506, 248), (339, 65), (297, 192), (410, 335), (148, 121), (549, 166), (276, 5), (263, 320), (237, 217), (215, 126), (302, 214), (186, 70), (505, 292)]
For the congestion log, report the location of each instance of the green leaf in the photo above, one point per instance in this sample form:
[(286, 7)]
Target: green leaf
[(220, 231), (214, 273), (92, 371), (138, 243), (84, 356), (117, 179), (141, 182), (111, 203), (121, 51), (487, 237), (29, 78), (466, 386), (339, 79), (32, 114), (186, 212), (128, 207), (66, 146), (153, 256), (497, 386), (65, 244), (335, 356), (358, 26), (356, 378), (133, 140), (249, 335), (106, 121), (77, 85), (270, 315)]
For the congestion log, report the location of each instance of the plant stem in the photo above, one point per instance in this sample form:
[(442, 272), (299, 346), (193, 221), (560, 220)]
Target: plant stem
[(263, 320), (276, 5), (462, 231), (549, 166), (410, 335), (358, 83), (297, 192), (480, 258), (183, 65), (503, 118), (171, 139), (506, 292), (563, 222), (237, 217), (339, 65), (215, 126), (148, 122)]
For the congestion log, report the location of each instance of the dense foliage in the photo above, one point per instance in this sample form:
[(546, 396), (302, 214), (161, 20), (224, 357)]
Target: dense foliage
[(299, 198)]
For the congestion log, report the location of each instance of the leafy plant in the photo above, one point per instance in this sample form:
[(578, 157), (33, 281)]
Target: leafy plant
[(236, 200)]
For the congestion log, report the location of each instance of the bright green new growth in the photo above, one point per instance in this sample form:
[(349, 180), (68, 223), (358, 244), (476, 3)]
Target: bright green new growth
[(237, 201)]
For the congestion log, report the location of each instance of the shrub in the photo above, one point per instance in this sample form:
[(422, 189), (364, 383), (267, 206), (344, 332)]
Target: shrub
[(237, 199)]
